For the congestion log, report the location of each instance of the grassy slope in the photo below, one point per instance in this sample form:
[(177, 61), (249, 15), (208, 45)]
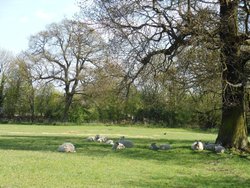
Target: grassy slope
[(28, 158)]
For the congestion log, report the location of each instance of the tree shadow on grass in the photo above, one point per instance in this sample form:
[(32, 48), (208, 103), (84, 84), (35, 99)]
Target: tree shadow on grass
[(179, 153)]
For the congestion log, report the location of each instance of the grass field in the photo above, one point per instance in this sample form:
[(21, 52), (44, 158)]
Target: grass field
[(29, 158)]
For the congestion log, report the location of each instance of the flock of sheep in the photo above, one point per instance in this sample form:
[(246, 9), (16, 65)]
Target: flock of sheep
[(123, 143)]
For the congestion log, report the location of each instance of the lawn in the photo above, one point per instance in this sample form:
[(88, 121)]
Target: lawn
[(29, 158)]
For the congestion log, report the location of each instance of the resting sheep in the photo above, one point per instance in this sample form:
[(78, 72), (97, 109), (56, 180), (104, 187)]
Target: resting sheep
[(118, 145), (219, 149), (97, 138), (164, 147), (67, 147), (126, 143), (102, 139), (111, 142), (90, 139), (197, 145), (209, 146), (154, 147)]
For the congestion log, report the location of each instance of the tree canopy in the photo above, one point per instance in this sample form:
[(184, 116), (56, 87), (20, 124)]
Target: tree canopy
[(149, 29), (66, 53)]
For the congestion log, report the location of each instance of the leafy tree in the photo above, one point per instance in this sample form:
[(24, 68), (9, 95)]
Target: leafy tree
[(12, 90), (48, 102), (5, 59), (199, 71), (27, 81), (105, 93), (145, 29), (19, 90), (66, 53)]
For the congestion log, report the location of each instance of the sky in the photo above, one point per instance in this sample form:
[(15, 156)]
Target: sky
[(19, 19)]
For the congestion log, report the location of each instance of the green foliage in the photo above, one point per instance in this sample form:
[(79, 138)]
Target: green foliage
[(78, 114), (48, 103)]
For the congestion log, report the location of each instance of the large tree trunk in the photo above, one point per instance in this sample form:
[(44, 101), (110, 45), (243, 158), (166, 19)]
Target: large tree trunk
[(233, 129)]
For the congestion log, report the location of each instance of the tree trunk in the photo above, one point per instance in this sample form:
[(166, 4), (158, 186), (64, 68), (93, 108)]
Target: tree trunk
[(233, 129), (32, 104), (68, 101)]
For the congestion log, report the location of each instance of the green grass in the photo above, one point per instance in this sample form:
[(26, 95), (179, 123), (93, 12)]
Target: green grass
[(29, 158)]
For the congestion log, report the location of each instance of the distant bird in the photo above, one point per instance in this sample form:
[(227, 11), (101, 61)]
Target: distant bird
[(154, 147), (197, 145), (67, 147)]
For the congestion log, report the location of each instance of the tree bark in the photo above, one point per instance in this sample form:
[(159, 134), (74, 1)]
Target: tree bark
[(233, 129), (68, 101)]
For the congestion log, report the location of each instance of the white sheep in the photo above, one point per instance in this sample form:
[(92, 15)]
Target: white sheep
[(118, 145), (67, 147), (111, 142), (197, 145), (102, 139)]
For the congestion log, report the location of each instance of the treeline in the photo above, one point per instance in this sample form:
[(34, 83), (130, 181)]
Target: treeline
[(70, 73), (163, 99), (139, 107)]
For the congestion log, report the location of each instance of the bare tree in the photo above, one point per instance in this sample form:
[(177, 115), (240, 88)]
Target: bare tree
[(145, 29), (66, 53)]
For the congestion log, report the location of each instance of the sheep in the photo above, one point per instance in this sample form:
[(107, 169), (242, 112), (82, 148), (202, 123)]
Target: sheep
[(111, 142), (90, 139), (209, 146), (118, 145), (197, 145), (102, 139), (126, 143), (219, 149), (97, 137), (154, 147), (165, 147), (67, 147)]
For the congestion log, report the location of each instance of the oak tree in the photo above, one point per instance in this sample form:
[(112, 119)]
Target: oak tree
[(142, 30)]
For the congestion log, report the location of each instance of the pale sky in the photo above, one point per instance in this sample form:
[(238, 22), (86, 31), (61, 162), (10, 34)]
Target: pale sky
[(20, 19)]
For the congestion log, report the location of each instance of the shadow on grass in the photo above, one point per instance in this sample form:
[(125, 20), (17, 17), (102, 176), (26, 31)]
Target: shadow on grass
[(179, 153)]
